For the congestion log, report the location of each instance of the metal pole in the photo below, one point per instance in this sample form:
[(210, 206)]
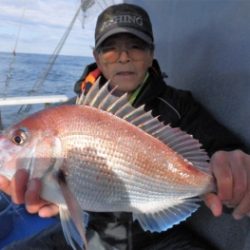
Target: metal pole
[(1, 124)]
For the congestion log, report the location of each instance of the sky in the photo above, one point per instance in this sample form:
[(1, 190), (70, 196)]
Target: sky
[(37, 26)]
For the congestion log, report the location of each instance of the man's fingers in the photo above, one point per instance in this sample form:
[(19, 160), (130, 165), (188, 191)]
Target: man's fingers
[(223, 174), (48, 210), (18, 186), (243, 207), (213, 203), (5, 185), (22, 190), (240, 183), (33, 201)]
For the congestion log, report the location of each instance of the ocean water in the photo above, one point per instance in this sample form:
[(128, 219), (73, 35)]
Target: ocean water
[(19, 74)]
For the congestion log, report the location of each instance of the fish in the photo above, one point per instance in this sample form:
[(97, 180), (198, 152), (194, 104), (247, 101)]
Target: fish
[(103, 155)]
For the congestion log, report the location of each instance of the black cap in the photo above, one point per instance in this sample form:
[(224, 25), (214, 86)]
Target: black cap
[(123, 18)]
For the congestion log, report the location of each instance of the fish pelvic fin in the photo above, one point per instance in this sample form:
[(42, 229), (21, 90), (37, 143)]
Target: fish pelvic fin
[(73, 219), (181, 142), (165, 219)]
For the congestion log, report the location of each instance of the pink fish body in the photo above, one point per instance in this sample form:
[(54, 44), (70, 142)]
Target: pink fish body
[(130, 163)]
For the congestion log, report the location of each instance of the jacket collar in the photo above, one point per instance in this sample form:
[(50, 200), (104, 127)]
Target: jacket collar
[(153, 87)]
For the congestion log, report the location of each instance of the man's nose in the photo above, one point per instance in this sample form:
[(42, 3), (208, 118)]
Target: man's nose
[(124, 56)]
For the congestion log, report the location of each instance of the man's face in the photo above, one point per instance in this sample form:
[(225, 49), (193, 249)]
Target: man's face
[(124, 60)]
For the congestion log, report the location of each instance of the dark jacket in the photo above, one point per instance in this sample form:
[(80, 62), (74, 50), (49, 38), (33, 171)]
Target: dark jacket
[(179, 109)]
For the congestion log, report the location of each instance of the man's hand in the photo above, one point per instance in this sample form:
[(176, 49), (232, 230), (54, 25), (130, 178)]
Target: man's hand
[(232, 174), (22, 190)]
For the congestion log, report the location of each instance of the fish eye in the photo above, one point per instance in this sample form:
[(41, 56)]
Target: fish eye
[(18, 139), (20, 136)]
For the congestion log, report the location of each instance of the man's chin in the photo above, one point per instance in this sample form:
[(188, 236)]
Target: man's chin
[(125, 86)]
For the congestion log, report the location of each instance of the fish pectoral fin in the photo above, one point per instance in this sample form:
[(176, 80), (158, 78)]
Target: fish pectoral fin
[(72, 217), (166, 218), (70, 231), (68, 227)]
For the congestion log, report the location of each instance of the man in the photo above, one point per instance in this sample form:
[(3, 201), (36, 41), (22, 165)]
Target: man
[(124, 54)]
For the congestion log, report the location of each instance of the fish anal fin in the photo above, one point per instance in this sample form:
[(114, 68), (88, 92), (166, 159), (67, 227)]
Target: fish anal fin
[(162, 220)]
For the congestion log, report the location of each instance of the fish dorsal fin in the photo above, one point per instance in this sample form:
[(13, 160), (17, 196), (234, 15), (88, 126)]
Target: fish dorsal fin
[(134, 113), (92, 94), (118, 104), (181, 142), (108, 99), (151, 125), (184, 144)]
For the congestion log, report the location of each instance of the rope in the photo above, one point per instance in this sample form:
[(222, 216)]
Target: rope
[(86, 4), (9, 75), (13, 60), (18, 33), (38, 84)]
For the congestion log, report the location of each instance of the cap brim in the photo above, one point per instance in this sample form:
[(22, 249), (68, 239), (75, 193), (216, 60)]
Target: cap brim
[(118, 30)]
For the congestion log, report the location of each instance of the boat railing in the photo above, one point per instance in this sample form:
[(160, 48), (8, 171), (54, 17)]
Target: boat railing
[(31, 100), (28, 100)]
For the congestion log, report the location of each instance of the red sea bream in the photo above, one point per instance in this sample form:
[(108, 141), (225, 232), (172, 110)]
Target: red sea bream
[(104, 155)]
